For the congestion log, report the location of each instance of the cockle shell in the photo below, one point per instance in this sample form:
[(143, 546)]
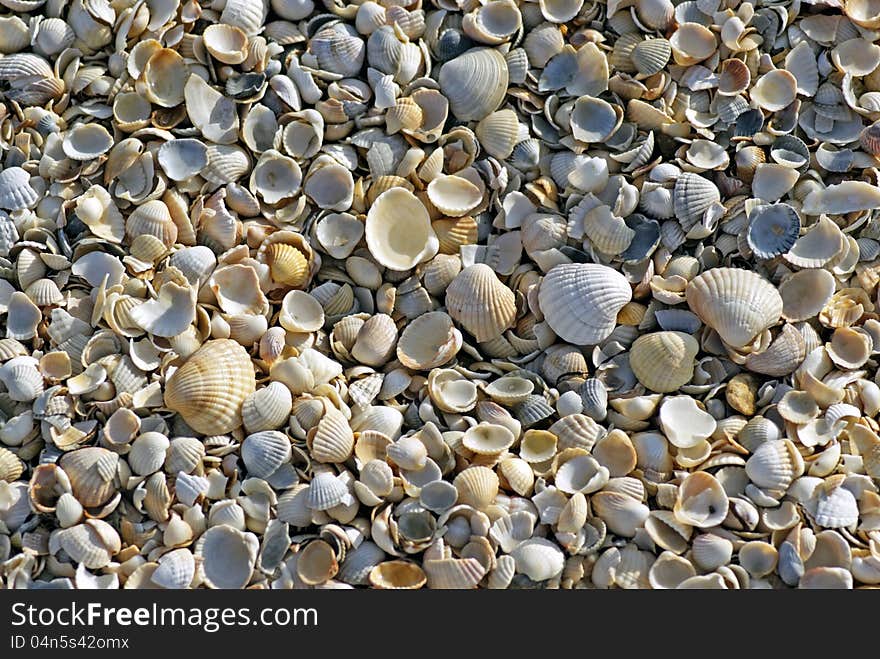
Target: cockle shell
[(475, 83), (738, 304), (701, 501), (398, 230), (480, 302), (580, 301), (664, 361), (208, 390), (227, 556)]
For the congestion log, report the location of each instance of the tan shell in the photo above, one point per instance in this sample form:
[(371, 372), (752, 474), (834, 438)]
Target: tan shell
[(480, 302), (664, 361), (701, 501), (92, 472), (209, 389)]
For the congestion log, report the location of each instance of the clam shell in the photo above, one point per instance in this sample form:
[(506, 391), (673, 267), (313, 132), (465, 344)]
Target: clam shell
[(664, 361), (693, 196), (92, 472), (397, 575), (772, 230), (208, 390), (738, 304), (475, 83), (429, 341), (480, 302), (227, 557), (701, 501), (398, 230), (333, 440), (580, 301)]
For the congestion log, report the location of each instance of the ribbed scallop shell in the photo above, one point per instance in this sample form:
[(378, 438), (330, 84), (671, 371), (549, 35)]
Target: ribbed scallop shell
[(249, 15), (651, 55), (326, 491), (608, 233), (148, 452), (91, 471), (480, 302), (783, 356), (475, 83), (265, 451), (477, 487), (498, 133), (208, 390), (539, 559), (16, 192), (664, 361), (184, 455), (580, 302), (152, 218), (692, 197), (267, 408), (738, 304), (376, 341), (10, 466), (453, 574), (333, 440), (775, 464)]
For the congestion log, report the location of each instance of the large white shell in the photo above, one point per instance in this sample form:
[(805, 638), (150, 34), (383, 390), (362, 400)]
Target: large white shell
[(398, 230), (580, 301)]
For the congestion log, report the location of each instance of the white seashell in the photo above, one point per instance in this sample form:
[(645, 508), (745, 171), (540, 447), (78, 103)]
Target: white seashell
[(227, 555), (213, 114), (539, 559), (475, 83), (738, 304), (16, 192), (398, 230), (147, 454), (580, 301), (701, 501)]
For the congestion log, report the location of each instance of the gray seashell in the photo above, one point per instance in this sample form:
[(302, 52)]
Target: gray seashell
[(595, 398), (263, 452), (693, 196), (532, 410), (773, 229), (475, 83), (646, 240)]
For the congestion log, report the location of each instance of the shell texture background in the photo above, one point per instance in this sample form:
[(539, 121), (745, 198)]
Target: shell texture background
[(305, 294)]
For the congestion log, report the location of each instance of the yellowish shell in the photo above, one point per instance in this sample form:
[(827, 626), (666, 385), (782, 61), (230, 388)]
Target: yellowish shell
[(209, 389), (664, 361)]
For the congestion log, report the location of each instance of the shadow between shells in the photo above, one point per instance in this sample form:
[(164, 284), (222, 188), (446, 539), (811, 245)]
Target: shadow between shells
[(450, 295)]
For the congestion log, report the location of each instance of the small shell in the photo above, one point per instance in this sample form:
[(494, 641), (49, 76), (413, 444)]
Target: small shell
[(92, 472), (477, 487), (397, 575), (475, 83), (429, 341), (701, 501), (147, 454), (227, 557), (774, 90), (86, 141), (208, 390), (226, 43)]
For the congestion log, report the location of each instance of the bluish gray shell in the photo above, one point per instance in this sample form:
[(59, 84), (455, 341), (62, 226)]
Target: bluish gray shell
[(773, 229)]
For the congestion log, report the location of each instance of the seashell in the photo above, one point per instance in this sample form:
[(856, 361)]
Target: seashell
[(477, 487), (580, 301), (774, 465), (249, 16), (737, 304), (692, 43), (164, 78), (398, 230), (152, 218), (226, 43), (475, 83), (684, 423), (213, 114), (208, 390), (332, 440), (176, 570), (327, 491), (775, 90), (264, 452), (300, 312), (701, 501), (182, 159), (651, 56), (694, 195), (92, 472), (594, 120), (607, 232), (664, 361), (453, 195), (86, 141), (92, 543), (227, 555), (16, 192), (147, 454), (834, 506), (846, 197), (773, 229), (621, 513), (480, 302), (397, 575), (22, 379), (29, 80)]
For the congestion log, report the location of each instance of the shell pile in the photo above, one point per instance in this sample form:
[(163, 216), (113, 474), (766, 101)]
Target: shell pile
[(447, 294)]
